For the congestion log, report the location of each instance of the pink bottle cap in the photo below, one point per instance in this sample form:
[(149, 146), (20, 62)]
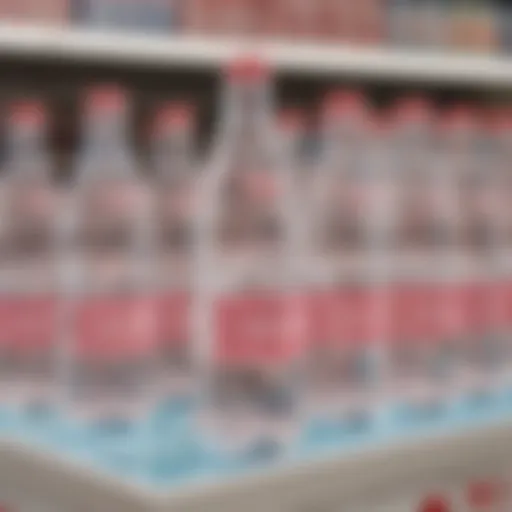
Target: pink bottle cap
[(460, 117), (248, 70), (106, 97), (413, 109), (499, 120), (174, 116), (344, 103), (27, 112)]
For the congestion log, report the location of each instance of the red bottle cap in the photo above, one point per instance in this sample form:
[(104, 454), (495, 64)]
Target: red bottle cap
[(499, 119), (106, 97), (459, 118), (435, 504), (248, 70), (413, 109), (345, 103), (27, 112), (174, 116)]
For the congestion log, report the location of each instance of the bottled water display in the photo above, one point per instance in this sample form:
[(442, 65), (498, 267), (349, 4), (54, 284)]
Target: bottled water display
[(202, 313)]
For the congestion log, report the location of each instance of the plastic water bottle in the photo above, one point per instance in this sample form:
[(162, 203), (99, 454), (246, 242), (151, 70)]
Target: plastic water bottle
[(420, 358), (501, 127), (28, 265), (344, 256), (462, 139), (292, 131), (492, 194), (175, 186), (112, 353), (247, 310)]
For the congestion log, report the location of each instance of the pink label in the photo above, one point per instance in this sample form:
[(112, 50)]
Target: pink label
[(507, 293), (28, 324), (450, 304), (116, 327), (174, 318), (478, 306), (259, 328), (344, 316), (415, 312)]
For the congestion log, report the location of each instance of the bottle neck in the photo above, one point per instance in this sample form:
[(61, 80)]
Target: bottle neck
[(173, 154), (247, 124), (105, 148), (342, 142), (26, 153)]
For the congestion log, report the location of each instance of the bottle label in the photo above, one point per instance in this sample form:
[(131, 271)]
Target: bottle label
[(507, 292), (174, 319), (415, 313), (450, 305), (345, 315), (116, 327), (259, 328), (478, 306), (28, 324)]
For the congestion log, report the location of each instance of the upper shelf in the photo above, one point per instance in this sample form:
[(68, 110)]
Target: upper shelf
[(208, 53)]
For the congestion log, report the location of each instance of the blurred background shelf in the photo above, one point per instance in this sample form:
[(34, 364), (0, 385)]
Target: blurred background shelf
[(75, 45)]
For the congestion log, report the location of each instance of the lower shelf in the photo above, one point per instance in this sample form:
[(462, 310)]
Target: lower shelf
[(30, 478)]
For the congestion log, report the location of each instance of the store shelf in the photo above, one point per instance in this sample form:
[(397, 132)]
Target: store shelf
[(416, 466), (202, 53)]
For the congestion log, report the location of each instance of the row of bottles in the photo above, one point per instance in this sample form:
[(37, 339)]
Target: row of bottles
[(464, 25), (262, 295)]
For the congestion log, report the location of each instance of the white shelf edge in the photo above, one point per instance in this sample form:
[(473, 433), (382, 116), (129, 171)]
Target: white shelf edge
[(322, 485), (73, 43)]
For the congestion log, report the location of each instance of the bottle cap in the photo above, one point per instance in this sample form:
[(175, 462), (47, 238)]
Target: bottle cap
[(174, 116), (499, 119), (413, 109), (105, 97), (27, 113), (344, 103), (248, 70), (459, 118)]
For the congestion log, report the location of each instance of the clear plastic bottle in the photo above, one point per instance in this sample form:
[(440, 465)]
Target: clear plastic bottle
[(344, 255), (175, 185), (108, 281), (247, 320), (495, 198), (502, 128), (461, 136), (419, 359), (28, 267), (292, 130)]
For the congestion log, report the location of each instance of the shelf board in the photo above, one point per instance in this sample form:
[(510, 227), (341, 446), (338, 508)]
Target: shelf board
[(209, 53), (415, 466)]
